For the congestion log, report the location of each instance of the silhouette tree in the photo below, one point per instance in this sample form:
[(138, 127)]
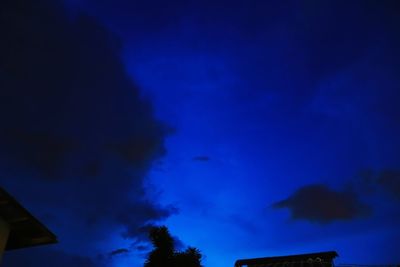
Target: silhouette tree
[(164, 253), (191, 257)]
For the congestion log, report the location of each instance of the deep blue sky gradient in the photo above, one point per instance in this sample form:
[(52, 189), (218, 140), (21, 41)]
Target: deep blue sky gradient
[(254, 114)]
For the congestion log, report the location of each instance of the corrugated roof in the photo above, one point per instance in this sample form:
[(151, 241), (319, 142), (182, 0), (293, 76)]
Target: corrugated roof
[(25, 230), (321, 259)]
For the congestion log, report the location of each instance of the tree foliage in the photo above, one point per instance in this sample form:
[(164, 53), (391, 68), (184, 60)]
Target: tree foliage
[(164, 253)]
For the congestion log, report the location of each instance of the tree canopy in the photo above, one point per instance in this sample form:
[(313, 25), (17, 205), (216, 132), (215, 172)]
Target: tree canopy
[(164, 253)]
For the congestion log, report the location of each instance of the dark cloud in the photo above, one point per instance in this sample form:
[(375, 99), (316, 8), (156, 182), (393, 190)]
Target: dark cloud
[(39, 257), (286, 58), (41, 151), (390, 181), (130, 217), (91, 169), (118, 252), (142, 243), (137, 149), (386, 180), (142, 248), (76, 137), (317, 46), (320, 204), (280, 52), (201, 158), (141, 233)]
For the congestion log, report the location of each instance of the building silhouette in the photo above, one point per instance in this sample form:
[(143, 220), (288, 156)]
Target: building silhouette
[(18, 228), (321, 259)]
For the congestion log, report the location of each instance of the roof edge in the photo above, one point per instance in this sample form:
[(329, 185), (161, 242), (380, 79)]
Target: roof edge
[(323, 255)]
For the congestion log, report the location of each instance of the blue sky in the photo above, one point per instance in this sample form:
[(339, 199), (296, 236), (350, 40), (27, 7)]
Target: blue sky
[(249, 128)]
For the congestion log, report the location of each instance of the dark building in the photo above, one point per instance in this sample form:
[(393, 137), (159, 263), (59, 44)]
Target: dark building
[(322, 259), (18, 228)]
